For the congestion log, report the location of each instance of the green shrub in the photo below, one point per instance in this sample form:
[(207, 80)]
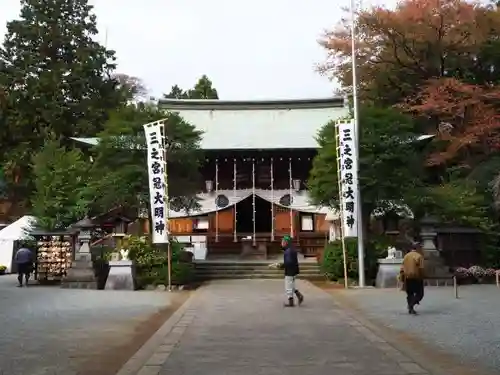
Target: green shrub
[(152, 264), (332, 263)]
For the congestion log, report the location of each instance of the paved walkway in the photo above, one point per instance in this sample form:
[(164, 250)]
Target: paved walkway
[(241, 327)]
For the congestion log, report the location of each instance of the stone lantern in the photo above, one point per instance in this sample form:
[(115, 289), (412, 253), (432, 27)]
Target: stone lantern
[(81, 274), (428, 233), (434, 265)]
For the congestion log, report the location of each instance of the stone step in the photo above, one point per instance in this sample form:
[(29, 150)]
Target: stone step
[(257, 272), (255, 276), (250, 268), (249, 264)]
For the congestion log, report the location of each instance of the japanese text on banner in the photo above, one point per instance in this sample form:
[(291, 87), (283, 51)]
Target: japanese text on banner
[(156, 176), (349, 178)]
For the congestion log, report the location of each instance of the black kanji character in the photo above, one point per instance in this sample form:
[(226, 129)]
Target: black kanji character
[(350, 221), (158, 198), (349, 207), (347, 135), (153, 139), (159, 212), (349, 193), (347, 150), (156, 167), (348, 178), (159, 227), (155, 154), (347, 163), (157, 184)]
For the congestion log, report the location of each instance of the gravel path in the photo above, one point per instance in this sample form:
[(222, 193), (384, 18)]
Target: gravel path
[(467, 327), (48, 330)]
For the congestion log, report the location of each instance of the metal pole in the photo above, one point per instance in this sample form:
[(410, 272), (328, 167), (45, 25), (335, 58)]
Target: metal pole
[(235, 236), (290, 187), (455, 286), (216, 195), (357, 135), (272, 199), (253, 200), (167, 209), (342, 238)]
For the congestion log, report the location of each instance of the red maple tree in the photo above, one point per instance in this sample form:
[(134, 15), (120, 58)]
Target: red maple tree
[(465, 116), (400, 49)]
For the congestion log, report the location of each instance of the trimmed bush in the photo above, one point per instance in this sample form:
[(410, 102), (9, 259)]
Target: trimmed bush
[(332, 264), (152, 264), (332, 261)]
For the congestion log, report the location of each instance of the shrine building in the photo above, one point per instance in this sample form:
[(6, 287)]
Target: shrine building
[(258, 155)]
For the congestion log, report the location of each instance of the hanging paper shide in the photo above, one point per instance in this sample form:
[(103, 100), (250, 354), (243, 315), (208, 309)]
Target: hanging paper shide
[(156, 176), (349, 178)]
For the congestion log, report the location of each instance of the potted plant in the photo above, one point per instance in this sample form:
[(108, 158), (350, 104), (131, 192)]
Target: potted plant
[(3, 269)]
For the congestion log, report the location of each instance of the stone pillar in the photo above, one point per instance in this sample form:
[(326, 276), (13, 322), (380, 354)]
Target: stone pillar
[(81, 274), (434, 265)]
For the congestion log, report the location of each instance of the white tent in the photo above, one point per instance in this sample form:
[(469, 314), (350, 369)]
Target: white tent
[(17, 231)]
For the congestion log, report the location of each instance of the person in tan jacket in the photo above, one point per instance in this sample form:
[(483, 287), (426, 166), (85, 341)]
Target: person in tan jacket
[(412, 273)]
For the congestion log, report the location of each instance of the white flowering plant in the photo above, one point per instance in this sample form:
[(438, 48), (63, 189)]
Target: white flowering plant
[(490, 272), (461, 272), (477, 271)]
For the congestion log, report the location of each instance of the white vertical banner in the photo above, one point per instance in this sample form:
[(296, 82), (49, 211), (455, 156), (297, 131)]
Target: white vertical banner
[(157, 186), (348, 178)]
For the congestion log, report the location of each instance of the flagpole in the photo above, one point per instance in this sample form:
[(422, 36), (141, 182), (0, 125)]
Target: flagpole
[(359, 214)]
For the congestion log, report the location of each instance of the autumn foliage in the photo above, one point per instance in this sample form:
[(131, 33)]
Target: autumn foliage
[(438, 59), (466, 118)]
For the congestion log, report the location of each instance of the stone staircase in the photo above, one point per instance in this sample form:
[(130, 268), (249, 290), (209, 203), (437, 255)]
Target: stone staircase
[(250, 269)]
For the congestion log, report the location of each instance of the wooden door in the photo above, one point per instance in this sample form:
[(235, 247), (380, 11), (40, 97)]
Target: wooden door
[(282, 221), (225, 220), (321, 225)]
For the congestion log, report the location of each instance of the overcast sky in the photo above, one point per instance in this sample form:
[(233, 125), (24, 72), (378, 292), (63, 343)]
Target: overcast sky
[(257, 49)]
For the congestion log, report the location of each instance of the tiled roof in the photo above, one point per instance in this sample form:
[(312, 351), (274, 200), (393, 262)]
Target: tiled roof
[(243, 125)]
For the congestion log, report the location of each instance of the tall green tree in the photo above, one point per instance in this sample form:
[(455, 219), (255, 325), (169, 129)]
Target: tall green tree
[(203, 89), (57, 78), (119, 173), (390, 163), (61, 177)]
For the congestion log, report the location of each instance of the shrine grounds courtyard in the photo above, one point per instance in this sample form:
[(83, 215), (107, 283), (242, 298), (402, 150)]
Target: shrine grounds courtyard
[(240, 327), (467, 328), (54, 331)]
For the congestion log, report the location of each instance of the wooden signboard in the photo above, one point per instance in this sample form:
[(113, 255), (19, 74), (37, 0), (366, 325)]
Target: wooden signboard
[(181, 225)]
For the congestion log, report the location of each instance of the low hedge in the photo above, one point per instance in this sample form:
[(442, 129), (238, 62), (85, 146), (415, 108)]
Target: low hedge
[(152, 264)]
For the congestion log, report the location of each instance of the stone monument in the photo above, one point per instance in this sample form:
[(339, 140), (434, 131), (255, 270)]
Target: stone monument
[(388, 269), (81, 274), (121, 273), (435, 269)]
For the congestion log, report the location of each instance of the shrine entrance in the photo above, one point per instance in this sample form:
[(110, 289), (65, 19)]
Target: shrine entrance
[(244, 215)]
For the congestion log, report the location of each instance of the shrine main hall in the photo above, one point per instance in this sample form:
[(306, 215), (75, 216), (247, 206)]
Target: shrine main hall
[(258, 155)]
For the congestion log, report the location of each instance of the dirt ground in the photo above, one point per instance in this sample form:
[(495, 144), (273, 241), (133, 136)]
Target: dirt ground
[(111, 354)]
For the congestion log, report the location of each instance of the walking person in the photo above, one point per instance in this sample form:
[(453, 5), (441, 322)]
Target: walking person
[(24, 261), (412, 272), (291, 267)]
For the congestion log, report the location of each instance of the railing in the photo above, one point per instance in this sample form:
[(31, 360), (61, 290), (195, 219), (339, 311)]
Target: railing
[(454, 280)]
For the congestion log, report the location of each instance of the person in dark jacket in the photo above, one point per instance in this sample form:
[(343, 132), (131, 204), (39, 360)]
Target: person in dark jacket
[(291, 268), (24, 261)]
